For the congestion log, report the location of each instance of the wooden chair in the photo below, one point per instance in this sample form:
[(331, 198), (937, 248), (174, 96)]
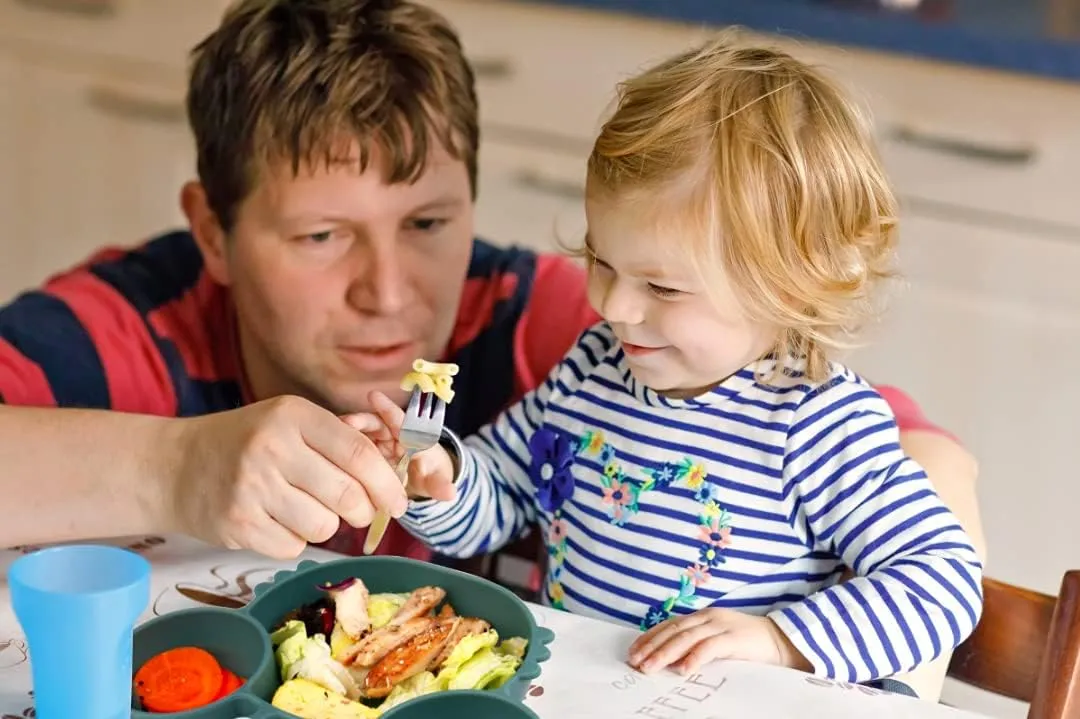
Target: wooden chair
[(1027, 647)]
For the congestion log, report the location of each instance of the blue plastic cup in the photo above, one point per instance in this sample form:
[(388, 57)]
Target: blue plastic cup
[(78, 606)]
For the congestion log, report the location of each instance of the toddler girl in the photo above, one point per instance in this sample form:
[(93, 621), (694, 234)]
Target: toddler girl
[(699, 467)]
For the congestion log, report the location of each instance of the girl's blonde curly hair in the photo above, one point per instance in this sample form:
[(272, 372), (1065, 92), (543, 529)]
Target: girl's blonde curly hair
[(772, 175)]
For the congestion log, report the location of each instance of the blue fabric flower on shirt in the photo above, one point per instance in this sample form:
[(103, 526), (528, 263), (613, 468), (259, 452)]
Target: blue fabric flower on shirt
[(552, 456)]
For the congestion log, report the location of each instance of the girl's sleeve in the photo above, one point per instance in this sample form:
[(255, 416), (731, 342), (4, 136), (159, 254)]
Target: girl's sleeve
[(496, 489), (852, 493)]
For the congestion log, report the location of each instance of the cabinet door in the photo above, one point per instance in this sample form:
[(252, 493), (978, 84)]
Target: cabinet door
[(97, 162), (530, 196), (554, 68), (987, 338), (12, 247), (155, 33)]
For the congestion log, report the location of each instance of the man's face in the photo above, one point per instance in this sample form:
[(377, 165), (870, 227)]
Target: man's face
[(341, 281)]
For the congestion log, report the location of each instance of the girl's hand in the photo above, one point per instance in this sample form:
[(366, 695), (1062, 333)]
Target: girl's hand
[(431, 473), (687, 643)]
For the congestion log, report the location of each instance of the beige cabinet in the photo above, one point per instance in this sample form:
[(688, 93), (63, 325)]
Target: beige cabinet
[(91, 161), (529, 196), (987, 336), (13, 250)]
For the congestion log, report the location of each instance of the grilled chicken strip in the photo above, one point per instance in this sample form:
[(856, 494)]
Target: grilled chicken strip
[(419, 603), (408, 659), (464, 628), (377, 644)]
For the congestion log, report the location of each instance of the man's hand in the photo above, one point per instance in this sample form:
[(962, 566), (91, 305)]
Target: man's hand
[(431, 473), (686, 643), (276, 475)]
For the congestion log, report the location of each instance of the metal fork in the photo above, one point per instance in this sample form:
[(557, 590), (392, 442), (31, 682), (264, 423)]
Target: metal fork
[(421, 429)]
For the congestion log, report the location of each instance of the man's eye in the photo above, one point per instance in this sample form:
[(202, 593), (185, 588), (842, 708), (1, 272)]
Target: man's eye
[(661, 291), (428, 224), (320, 237)]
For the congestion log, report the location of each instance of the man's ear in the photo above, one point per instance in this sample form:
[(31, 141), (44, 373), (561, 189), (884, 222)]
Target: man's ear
[(207, 231)]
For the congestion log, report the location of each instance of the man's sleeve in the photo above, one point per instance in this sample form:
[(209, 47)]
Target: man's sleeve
[(77, 342), (909, 416), (558, 312)]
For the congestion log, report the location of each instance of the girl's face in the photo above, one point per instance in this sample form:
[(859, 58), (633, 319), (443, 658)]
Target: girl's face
[(678, 339)]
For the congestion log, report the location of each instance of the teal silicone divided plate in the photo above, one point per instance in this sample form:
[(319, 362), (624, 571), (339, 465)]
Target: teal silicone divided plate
[(461, 705), (240, 638)]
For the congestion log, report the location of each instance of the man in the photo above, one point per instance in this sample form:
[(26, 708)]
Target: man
[(196, 383)]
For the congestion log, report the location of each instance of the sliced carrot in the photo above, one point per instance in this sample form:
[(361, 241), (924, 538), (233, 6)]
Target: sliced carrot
[(230, 684), (179, 679)]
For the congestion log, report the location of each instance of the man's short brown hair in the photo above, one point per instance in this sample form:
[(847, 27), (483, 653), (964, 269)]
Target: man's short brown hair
[(302, 80)]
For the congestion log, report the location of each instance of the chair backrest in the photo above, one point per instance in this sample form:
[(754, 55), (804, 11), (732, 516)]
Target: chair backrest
[(1027, 647)]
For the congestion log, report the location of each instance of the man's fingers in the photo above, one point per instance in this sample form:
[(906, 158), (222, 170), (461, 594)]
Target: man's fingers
[(315, 502), (272, 539), (358, 457)]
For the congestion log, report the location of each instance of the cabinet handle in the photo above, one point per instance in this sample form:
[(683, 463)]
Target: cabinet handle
[(114, 101), (492, 68), (86, 8), (967, 149), (554, 186)]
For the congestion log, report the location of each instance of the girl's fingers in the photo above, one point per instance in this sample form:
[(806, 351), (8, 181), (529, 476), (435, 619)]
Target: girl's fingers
[(727, 645), (647, 643), (391, 415), (678, 646), (370, 424)]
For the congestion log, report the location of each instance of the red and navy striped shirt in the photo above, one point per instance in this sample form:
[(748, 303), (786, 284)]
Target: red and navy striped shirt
[(147, 330)]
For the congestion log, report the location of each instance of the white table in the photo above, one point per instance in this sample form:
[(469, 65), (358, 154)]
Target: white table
[(586, 676)]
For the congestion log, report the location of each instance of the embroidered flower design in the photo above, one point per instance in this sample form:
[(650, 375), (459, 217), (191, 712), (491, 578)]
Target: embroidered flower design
[(663, 475), (592, 442), (711, 556), (695, 475), (607, 454), (685, 596), (698, 574), (557, 531), (620, 497), (656, 615), (552, 458), (556, 538), (557, 595), (710, 510), (612, 470), (714, 533), (707, 493)]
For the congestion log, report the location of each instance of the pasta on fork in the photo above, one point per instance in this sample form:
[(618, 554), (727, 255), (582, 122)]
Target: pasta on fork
[(436, 378)]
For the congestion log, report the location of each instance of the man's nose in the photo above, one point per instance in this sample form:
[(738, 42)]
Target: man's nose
[(379, 286), (621, 304)]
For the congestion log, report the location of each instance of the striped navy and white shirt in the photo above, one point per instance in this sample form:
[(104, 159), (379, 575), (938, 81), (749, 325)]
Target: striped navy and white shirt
[(752, 496)]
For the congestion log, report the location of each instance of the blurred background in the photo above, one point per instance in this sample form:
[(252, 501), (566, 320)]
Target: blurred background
[(976, 104)]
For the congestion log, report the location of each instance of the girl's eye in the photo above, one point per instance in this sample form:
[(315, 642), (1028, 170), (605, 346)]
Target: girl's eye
[(319, 238), (661, 291)]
